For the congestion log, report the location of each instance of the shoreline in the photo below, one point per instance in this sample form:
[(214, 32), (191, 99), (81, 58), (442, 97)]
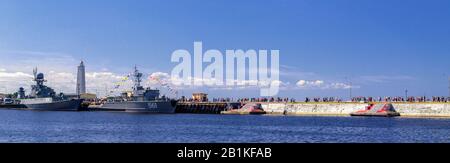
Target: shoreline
[(348, 115), (406, 109)]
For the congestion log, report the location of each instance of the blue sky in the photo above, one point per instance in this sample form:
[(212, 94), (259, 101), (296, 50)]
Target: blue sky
[(382, 46)]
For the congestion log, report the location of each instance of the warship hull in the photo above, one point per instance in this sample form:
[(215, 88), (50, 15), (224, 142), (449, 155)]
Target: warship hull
[(67, 105), (157, 107)]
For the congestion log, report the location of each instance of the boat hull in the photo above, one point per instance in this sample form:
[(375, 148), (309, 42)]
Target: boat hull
[(161, 107), (68, 105), (390, 114), (244, 112), (378, 110)]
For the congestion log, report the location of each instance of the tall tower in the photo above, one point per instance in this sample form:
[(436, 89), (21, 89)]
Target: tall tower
[(81, 79)]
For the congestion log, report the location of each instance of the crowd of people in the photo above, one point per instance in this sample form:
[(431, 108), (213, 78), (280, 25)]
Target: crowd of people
[(401, 99), (272, 99), (390, 99), (440, 99), (261, 99), (330, 99), (323, 99), (243, 100)]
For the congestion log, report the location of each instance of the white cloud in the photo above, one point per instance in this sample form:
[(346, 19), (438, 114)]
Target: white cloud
[(13, 75), (11, 81), (320, 84), (340, 86), (301, 83), (157, 78), (103, 75), (104, 83), (160, 75), (305, 83)]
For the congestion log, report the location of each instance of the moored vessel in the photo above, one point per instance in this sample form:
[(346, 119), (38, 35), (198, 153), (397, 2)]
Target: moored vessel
[(140, 100), (377, 110), (250, 108), (45, 98)]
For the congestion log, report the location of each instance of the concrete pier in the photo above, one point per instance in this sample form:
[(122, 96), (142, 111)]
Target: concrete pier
[(427, 109)]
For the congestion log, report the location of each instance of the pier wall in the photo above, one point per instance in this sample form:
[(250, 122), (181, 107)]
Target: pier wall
[(344, 109), (201, 108), (427, 110)]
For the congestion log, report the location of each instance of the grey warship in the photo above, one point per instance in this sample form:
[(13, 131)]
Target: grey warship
[(45, 98), (141, 100)]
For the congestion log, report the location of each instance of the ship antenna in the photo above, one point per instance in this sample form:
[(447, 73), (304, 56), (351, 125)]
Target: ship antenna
[(137, 78)]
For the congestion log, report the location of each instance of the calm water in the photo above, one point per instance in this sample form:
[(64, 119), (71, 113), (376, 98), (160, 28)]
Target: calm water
[(32, 126)]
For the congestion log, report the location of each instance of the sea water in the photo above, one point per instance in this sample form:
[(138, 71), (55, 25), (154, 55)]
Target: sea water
[(116, 127)]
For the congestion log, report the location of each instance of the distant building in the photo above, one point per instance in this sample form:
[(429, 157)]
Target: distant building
[(81, 79), (200, 97)]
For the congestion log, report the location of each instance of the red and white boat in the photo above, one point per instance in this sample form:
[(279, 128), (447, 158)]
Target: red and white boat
[(250, 108), (377, 110)]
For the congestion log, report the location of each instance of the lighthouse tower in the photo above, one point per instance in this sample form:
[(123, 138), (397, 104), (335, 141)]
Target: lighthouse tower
[(81, 79)]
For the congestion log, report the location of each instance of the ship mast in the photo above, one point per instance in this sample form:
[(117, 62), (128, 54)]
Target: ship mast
[(137, 79), (38, 78)]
